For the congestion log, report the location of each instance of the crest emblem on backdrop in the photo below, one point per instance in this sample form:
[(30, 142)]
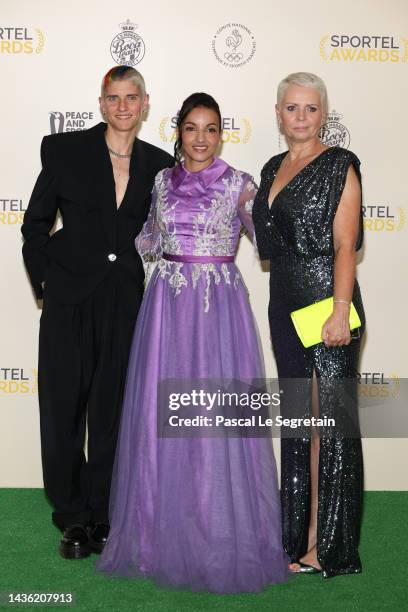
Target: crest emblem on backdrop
[(127, 48), (333, 133), (233, 45)]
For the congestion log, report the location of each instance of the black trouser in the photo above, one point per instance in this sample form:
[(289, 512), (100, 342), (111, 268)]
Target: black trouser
[(83, 356)]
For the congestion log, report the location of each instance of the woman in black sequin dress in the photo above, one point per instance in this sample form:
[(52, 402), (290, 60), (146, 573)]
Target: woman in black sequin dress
[(308, 222)]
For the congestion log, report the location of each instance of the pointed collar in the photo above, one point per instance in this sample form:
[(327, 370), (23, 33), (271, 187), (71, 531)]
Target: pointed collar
[(204, 177)]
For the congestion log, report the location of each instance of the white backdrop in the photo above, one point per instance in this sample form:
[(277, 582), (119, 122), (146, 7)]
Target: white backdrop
[(52, 58)]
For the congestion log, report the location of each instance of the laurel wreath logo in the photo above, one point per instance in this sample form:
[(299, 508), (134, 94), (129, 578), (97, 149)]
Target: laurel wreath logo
[(162, 128), (41, 40), (405, 56), (322, 51), (34, 388), (402, 219), (397, 384), (248, 131)]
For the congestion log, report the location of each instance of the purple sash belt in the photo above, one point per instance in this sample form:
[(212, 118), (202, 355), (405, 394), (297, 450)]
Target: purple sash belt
[(199, 258)]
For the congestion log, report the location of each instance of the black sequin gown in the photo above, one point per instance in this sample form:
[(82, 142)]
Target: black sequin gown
[(296, 234)]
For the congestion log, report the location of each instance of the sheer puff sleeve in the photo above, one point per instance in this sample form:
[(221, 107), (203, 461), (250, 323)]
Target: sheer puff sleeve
[(148, 242), (245, 205)]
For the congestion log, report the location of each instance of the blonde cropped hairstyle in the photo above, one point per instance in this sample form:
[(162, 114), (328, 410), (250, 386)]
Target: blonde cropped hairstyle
[(304, 79)]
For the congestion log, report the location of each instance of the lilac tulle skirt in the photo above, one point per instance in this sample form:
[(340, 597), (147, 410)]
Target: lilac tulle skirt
[(196, 513)]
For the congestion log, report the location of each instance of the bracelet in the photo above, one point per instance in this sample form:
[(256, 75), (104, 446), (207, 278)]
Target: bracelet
[(341, 302)]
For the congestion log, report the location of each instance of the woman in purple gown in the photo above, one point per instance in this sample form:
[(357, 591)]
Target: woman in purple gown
[(194, 512)]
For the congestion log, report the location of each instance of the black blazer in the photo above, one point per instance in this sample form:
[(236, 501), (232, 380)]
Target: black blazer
[(96, 238)]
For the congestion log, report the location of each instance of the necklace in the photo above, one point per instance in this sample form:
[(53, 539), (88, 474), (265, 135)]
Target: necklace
[(120, 155)]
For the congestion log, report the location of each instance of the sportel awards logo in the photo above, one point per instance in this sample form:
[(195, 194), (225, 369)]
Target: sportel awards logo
[(362, 48), (377, 384), (72, 121), (11, 211), (18, 381), (233, 45), (234, 130), (17, 41), (127, 48), (384, 218), (334, 133)]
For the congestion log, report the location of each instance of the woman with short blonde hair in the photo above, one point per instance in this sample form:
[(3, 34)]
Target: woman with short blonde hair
[(308, 221)]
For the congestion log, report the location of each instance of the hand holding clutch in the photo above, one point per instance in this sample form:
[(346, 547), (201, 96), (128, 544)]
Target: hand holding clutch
[(336, 330), (309, 321)]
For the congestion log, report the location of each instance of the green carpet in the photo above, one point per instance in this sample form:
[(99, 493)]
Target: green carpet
[(30, 563)]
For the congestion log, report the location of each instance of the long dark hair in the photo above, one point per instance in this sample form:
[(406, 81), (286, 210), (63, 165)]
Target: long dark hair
[(193, 101)]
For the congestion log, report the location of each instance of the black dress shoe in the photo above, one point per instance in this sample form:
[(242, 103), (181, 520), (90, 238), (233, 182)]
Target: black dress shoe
[(75, 543), (98, 536)]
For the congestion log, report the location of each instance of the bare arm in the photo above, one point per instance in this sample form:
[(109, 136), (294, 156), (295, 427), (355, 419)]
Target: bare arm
[(336, 331)]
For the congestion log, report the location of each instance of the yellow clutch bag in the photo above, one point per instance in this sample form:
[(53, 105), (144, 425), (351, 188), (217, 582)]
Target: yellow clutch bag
[(308, 321)]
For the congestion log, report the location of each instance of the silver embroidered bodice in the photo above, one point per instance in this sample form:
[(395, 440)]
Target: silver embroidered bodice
[(197, 214)]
